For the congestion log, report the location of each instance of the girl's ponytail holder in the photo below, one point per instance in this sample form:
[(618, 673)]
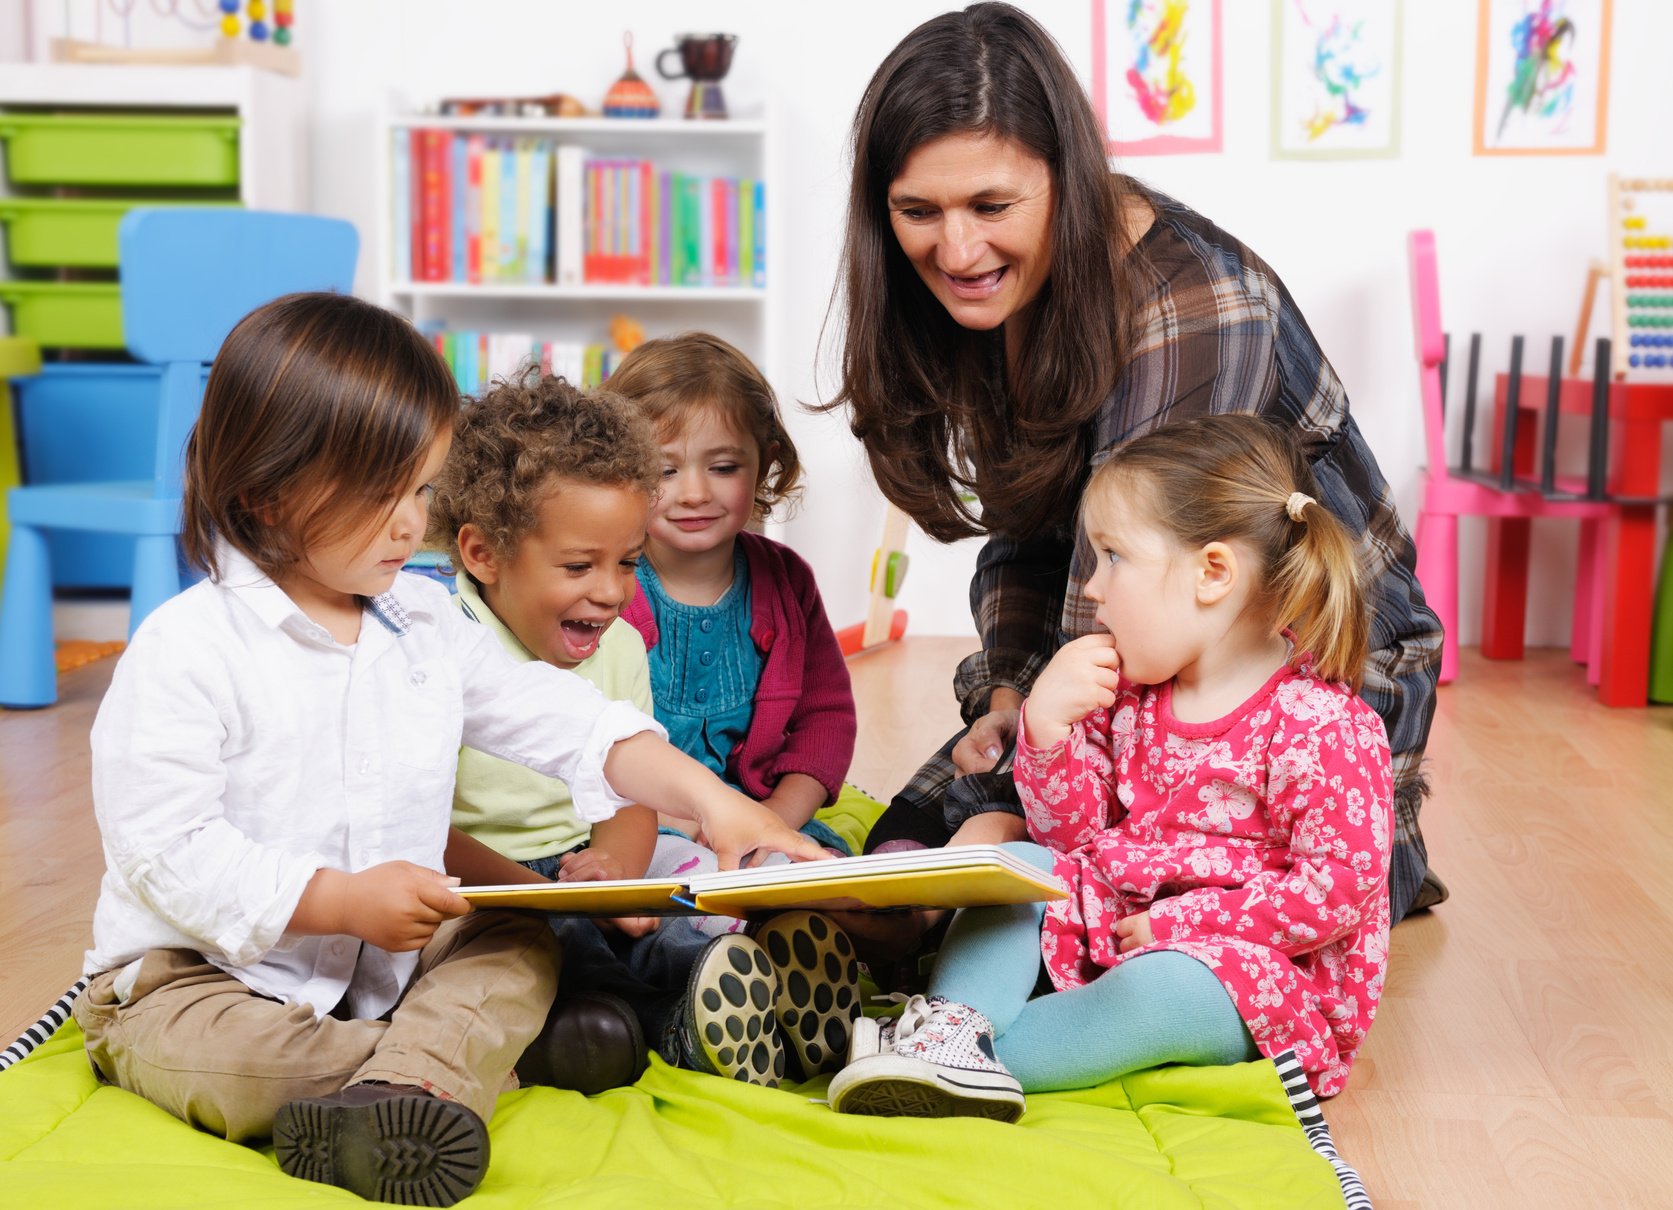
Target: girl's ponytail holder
[(1296, 503)]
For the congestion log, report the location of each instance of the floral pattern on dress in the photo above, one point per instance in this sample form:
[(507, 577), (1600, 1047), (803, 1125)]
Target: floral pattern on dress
[(1259, 843)]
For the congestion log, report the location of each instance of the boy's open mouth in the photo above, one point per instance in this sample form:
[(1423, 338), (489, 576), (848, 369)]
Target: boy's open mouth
[(582, 637)]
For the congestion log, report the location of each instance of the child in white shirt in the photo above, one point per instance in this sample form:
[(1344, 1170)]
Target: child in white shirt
[(276, 949)]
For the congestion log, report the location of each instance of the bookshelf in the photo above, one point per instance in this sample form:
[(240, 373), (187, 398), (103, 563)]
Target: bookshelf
[(745, 314)]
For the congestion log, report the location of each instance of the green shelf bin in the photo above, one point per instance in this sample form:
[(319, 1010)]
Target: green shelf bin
[(66, 315), (70, 231), (120, 149)]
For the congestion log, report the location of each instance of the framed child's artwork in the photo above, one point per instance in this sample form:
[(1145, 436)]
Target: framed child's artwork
[(1335, 78), (1542, 77), (1156, 75)]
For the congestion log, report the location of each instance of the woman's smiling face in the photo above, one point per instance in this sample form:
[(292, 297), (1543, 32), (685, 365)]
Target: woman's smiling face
[(973, 215)]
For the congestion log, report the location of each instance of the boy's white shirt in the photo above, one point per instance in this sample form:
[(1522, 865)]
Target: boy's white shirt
[(240, 748)]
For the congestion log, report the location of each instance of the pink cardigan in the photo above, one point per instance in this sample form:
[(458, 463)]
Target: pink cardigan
[(804, 705)]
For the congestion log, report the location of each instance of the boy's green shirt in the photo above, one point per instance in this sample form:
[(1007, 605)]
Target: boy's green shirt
[(516, 811)]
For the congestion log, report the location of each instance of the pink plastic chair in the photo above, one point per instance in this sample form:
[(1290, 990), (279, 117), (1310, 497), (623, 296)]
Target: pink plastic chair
[(1448, 494)]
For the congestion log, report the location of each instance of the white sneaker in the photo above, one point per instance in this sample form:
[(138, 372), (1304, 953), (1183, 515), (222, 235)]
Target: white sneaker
[(936, 1061)]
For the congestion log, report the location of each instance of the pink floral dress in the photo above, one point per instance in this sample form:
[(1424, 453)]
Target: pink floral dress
[(1259, 843)]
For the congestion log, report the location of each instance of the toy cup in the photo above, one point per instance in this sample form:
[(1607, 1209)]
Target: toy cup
[(704, 59)]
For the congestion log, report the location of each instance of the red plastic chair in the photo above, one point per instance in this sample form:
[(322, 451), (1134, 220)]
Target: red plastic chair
[(1453, 492)]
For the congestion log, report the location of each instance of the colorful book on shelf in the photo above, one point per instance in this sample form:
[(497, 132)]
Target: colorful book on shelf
[(537, 269), (401, 190), (459, 205), (489, 221), (758, 274), (434, 207), (569, 213), (720, 252), (960, 876), (474, 146), (743, 268), (616, 242), (415, 200), (510, 156)]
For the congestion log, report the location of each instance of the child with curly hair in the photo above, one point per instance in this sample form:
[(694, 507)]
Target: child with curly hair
[(543, 505)]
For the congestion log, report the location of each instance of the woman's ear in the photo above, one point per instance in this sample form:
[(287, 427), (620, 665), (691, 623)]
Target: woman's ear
[(477, 555), (1217, 573)]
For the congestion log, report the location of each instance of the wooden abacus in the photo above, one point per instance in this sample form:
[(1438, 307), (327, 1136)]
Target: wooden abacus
[(1641, 274)]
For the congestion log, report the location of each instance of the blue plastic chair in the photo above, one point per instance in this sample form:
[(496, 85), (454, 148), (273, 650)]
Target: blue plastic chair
[(188, 275)]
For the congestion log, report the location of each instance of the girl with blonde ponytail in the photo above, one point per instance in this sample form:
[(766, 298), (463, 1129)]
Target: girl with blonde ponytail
[(1203, 776)]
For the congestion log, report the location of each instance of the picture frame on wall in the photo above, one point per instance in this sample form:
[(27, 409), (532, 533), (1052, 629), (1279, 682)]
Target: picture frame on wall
[(1335, 78), (1542, 77), (1156, 75)]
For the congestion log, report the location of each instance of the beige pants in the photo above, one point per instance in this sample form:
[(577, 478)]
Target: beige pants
[(202, 1045)]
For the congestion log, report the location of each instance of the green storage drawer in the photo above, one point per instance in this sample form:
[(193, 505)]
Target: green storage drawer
[(66, 314), (120, 149), (69, 231)]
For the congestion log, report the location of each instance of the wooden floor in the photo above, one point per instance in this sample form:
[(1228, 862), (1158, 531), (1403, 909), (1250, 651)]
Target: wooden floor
[(1523, 1056)]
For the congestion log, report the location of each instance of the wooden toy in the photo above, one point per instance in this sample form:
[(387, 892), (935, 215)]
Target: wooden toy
[(1641, 273), (884, 623)]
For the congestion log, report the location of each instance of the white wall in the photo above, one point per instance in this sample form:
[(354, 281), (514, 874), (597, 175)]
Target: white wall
[(1515, 234)]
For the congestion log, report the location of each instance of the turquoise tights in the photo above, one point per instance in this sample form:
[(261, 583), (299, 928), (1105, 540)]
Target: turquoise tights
[(1161, 1007)]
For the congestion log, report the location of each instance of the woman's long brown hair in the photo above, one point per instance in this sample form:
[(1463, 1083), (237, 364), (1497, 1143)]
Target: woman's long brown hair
[(938, 410)]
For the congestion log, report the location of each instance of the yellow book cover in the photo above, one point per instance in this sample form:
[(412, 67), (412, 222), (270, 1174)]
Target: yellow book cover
[(520, 238), (491, 179), (622, 897), (964, 876)]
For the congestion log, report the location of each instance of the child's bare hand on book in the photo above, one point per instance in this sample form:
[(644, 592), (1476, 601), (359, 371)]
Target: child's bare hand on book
[(650, 770), (1081, 678), (589, 865), (736, 827), (394, 905)]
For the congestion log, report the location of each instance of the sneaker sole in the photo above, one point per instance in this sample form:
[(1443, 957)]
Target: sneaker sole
[(819, 987), (409, 1151), (730, 993), (894, 1086)]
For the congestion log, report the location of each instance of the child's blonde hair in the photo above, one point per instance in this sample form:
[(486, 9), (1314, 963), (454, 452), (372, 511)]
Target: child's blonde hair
[(1241, 478), (319, 409), (512, 446), (675, 376)]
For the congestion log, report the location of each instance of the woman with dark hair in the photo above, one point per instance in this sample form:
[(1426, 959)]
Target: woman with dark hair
[(1013, 310)]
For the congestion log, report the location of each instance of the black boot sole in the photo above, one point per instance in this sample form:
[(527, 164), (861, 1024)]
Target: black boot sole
[(409, 1151)]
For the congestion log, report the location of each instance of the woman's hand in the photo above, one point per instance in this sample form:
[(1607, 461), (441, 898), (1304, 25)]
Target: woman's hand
[(1081, 678), (986, 741)]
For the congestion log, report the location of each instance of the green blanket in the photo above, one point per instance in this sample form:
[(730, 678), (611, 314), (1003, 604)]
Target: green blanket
[(1172, 1137)]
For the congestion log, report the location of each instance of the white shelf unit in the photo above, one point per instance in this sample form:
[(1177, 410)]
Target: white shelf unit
[(747, 315), (272, 108)]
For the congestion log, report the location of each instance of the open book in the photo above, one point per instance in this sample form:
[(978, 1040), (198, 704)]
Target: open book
[(962, 876)]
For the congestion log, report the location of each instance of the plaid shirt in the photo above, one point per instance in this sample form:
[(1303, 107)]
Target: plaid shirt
[(1218, 332)]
